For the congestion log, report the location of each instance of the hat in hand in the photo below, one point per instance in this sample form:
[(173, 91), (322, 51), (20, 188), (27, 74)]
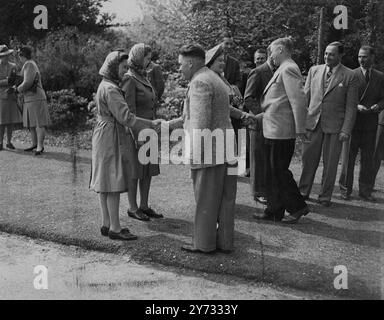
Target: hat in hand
[(4, 51)]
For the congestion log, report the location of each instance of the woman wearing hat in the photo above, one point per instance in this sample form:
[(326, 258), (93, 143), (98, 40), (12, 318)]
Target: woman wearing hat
[(110, 152), (9, 110), (214, 60), (35, 108), (141, 100)]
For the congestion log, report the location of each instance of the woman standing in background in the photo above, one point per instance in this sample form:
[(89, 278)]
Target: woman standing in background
[(9, 111), (35, 108)]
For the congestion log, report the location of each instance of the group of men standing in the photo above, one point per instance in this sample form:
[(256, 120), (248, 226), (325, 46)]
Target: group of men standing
[(335, 113)]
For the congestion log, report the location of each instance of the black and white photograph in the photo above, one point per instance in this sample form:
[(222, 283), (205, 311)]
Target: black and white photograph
[(193, 156)]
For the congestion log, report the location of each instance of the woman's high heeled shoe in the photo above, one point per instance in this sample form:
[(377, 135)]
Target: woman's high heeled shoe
[(38, 153)]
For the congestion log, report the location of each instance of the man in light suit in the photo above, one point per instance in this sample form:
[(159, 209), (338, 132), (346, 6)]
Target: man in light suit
[(257, 81), (207, 107), (284, 105), (371, 103), (332, 91)]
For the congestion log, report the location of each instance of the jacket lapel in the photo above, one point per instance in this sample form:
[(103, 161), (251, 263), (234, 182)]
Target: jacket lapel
[(337, 78), (275, 75)]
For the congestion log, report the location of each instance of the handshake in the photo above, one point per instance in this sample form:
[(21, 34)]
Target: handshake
[(250, 119)]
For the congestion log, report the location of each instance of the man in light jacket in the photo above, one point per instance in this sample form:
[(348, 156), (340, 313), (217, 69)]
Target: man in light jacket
[(332, 91), (284, 105)]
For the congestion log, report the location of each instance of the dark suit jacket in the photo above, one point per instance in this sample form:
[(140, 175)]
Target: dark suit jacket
[(232, 71), (258, 79), (155, 77), (369, 95), (336, 107)]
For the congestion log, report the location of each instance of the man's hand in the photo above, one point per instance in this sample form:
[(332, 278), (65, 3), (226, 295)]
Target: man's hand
[(248, 119), (343, 136), (375, 108), (362, 108)]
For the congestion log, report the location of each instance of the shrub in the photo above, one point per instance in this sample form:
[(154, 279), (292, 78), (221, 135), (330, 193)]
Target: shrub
[(66, 109)]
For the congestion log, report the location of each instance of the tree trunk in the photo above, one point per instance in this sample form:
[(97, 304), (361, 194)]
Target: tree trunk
[(320, 37)]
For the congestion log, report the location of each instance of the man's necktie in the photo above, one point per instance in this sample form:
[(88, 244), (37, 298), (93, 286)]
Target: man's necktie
[(329, 74), (367, 76)]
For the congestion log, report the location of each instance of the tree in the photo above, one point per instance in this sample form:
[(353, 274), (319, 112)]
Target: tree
[(17, 17)]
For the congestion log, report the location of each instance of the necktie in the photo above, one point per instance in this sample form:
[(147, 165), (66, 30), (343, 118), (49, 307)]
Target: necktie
[(367, 76), (329, 73)]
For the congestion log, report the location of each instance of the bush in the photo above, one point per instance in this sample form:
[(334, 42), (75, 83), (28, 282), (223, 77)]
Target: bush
[(66, 109), (172, 106)]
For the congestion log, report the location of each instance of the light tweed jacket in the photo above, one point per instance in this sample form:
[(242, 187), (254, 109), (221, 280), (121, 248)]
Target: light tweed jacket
[(207, 107), (284, 103)]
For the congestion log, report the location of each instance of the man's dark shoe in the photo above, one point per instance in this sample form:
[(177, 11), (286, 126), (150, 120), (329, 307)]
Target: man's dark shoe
[(265, 217), (152, 213), (226, 251), (138, 215), (262, 200), (367, 198), (305, 197), (190, 248), (10, 146), (1, 146), (324, 203), (295, 217)]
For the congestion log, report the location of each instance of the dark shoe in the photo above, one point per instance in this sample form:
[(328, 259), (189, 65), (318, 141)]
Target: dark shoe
[(266, 217), (226, 251), (1, 146), (10, 146), (38, 153), (367, 198), (30, 149), (124, 234), (152, 213), (138, 215), (262, 200), (324, 203), (295, 217), (190, 248), (104, 231)]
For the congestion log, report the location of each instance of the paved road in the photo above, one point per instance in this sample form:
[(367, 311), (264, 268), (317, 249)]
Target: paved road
[(48, 198), (74, 273)]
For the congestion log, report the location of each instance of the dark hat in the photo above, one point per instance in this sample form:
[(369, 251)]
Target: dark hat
[(212, 54), (4, 51)]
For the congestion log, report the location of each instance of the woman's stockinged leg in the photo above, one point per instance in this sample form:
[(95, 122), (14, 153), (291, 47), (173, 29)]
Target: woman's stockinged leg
[(2, 129), (33, 136), (144, 185), (104, 209), (40, 138), (113, 203), (132, 195), (9, 133)]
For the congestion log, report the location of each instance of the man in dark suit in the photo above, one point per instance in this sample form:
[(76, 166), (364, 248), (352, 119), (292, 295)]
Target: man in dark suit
[(371, 103), (331, 89), (232, 74), (285, 110), (378, 155), (257, 81)]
